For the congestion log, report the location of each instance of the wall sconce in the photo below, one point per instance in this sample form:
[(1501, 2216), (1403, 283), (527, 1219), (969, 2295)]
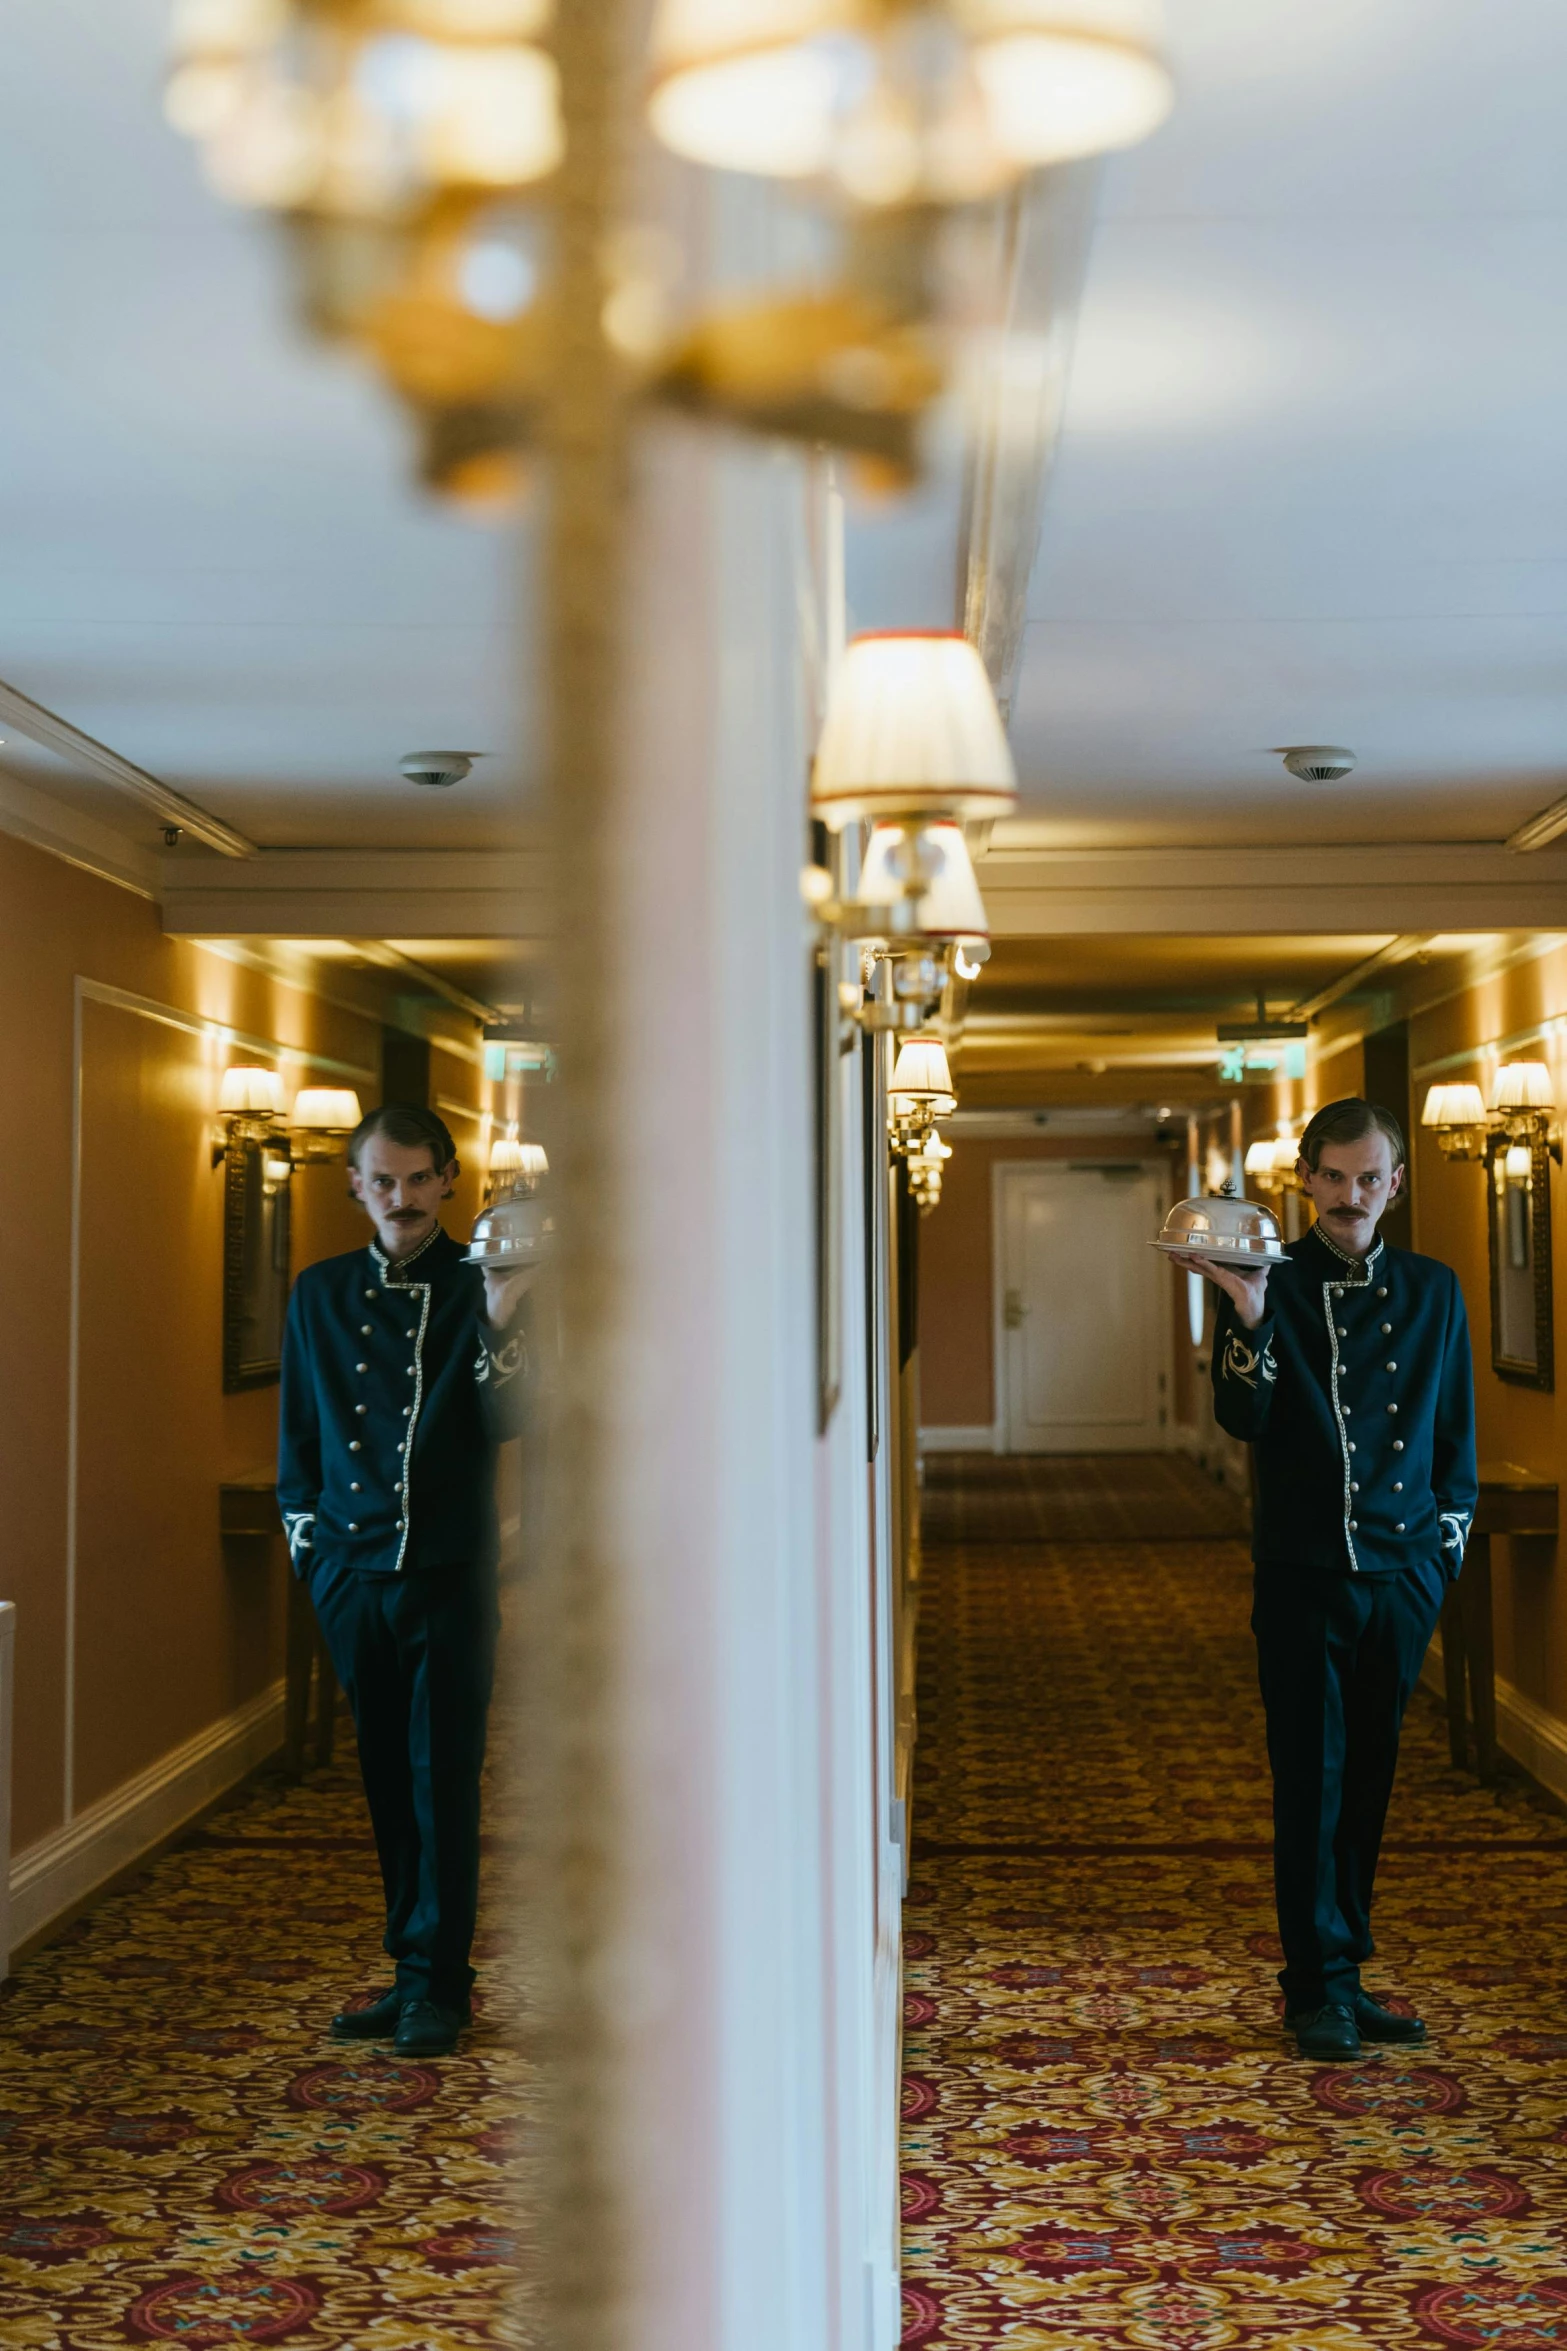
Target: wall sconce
[(1523, 1107), (1272, 1164), (1457, 1116), (515, 1169), (912, 744), (921, 1090), (323, 1119), (912, 730), (1523, 1102), (250, 1106)]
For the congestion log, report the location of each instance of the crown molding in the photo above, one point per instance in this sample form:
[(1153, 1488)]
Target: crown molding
[(54, 733), (81, 840)]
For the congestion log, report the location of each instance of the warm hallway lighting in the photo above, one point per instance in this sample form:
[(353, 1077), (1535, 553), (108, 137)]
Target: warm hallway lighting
[(921, 1087), (323, 1119), (912, 729), (249, 1091), (1523, 1085), (904, 105), (918, 882), (250, 1106)]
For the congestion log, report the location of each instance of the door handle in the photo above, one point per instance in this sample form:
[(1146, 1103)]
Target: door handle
[(1013, 1309)]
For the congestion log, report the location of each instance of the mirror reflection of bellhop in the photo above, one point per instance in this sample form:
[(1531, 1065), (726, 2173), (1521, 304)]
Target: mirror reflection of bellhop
[(1356, 1392), (396, 1392)]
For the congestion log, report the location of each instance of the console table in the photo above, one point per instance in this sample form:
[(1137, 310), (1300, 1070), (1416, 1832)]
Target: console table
[(1513, 1501), (248, 1514)]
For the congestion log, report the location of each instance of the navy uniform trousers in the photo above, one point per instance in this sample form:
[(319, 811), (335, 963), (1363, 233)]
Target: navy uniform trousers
[(1338, 1657), (415, 1654)]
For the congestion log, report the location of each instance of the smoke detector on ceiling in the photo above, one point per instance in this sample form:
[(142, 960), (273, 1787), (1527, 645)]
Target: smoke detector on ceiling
[(1319, 763), (436, 769)]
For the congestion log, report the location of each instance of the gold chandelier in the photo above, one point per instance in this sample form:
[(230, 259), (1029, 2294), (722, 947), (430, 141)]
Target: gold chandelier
[(404, 142)]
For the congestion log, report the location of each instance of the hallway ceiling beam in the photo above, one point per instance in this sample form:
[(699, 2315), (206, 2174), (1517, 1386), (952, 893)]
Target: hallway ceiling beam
[(1386, 887), (361, 894), (1395, 952)]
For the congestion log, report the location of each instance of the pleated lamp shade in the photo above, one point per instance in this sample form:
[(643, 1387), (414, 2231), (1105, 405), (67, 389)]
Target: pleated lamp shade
[(948, 907), (1453, 1106), (790, 89), (1523, 1085), (1259, 1158), (251, 1091), (326, 1110), (912, 729), (921, 1067)]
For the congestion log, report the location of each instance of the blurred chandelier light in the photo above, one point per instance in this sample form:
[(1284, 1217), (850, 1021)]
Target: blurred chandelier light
[(364, 109), (896, 103), (397, 138)]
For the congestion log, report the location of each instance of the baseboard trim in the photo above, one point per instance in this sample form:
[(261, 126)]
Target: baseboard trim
[(62, 1869), (959, 1440), (1525, 1730)]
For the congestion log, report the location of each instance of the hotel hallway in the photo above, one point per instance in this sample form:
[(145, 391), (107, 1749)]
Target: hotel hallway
[(1107, 2139)]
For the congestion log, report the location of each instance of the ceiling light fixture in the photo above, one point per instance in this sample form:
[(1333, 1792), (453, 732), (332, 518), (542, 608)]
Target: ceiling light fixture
[(904, 104)]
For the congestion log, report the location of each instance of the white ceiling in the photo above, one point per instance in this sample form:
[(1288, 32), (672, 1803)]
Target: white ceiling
[(210, 557), (1312, 485)]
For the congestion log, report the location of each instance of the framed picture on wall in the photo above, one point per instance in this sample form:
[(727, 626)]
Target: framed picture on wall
[(256, 1200), (1518, 1197)]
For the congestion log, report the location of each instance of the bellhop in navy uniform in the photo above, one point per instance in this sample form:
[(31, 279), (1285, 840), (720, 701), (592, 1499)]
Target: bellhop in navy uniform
[(1347, 1369), (403, 1367)]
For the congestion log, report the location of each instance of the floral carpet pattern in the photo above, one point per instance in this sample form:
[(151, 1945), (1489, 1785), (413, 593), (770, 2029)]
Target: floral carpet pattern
[(186, 2158), (1108, 2140)]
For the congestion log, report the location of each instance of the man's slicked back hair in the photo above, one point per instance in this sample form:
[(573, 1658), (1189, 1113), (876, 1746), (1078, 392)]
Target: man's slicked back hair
[(408, 1124), (1346, 1122)]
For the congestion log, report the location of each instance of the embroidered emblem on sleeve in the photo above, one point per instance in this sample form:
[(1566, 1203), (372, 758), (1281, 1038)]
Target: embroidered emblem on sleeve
[(1455, 1526), (1248, 1364), (300, 1528)]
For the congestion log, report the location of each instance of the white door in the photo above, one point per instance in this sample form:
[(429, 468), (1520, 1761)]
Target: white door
[(1081, 1307)]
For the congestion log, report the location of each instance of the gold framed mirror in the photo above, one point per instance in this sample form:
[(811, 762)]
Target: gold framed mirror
[(1518, 1209), (256, 1203)]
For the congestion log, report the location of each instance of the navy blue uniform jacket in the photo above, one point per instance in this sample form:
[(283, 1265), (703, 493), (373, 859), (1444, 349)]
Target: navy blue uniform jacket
[(396, 1392), (1357, 1392)]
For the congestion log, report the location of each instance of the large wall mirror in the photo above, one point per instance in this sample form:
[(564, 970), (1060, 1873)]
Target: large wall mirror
[(255, 1263), (1518, 1190)]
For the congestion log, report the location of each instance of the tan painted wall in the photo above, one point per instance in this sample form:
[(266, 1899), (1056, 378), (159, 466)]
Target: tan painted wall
[(957, 1369), (169, 1637)]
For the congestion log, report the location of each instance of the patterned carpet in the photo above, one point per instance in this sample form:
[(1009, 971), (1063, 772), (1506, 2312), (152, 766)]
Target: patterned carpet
[(1107, 2139), (185, 2158), (1073, 1497)]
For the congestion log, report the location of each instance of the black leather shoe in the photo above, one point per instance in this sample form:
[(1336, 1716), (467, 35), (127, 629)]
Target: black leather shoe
[(426, 2029), (1380, 2024), (1327, 2032), (375, 2023)]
